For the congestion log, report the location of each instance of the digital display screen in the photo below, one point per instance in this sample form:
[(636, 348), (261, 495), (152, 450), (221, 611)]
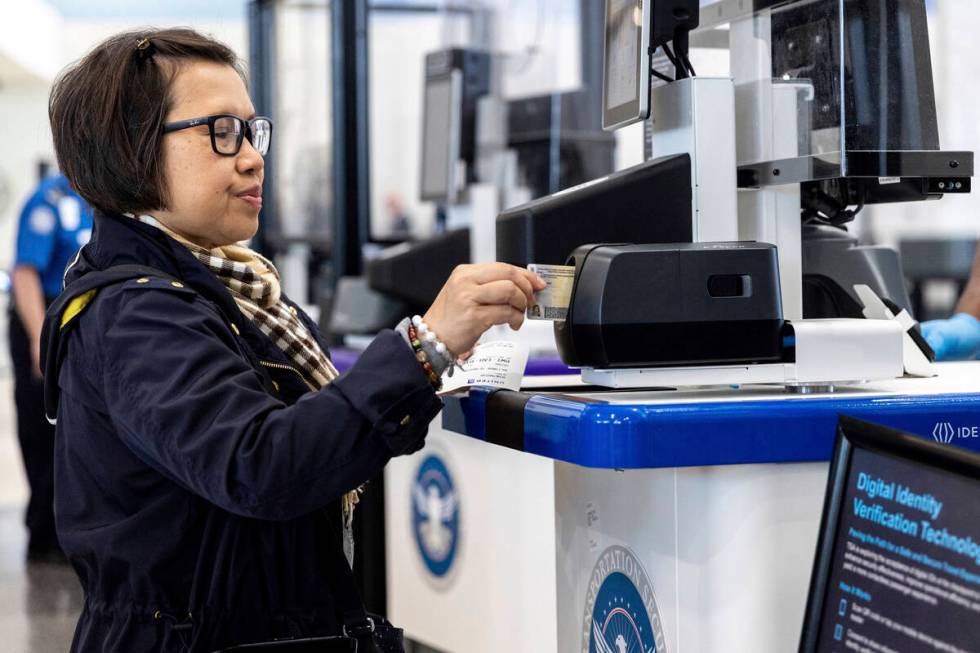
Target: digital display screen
[(624, 44), (626, 76), (437, 157), (905, 569)]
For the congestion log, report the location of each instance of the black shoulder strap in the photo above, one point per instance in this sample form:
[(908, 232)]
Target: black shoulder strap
[(357, 624), (60, 316)]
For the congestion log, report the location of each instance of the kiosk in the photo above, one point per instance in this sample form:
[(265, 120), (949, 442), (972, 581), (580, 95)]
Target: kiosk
[(680, 520), (566, 517)]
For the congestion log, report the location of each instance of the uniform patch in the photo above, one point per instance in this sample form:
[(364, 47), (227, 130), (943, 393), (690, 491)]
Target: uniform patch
[(41, 221), (70, 212)]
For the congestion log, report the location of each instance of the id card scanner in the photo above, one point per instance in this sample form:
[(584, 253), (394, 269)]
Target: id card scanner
[(671, 305)]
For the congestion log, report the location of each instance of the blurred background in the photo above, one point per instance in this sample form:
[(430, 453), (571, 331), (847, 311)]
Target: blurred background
[(348, 101)]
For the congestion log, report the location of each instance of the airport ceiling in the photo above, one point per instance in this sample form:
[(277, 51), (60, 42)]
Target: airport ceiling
[(158, 9)]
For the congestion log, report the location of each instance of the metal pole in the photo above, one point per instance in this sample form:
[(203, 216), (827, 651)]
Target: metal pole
[(349, 79), (261, 56), (351, 220), (592, 33)]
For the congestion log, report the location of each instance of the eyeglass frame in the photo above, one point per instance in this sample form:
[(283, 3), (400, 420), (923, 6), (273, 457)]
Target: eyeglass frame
[(210, 120)]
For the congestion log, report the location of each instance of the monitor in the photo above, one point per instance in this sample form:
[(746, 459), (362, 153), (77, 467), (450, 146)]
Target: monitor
[(440, 137), (626, 56), (634, 30), (617, 208), (898, 558)]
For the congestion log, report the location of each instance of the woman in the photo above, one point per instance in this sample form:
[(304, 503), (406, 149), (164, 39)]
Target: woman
[(206, 449)]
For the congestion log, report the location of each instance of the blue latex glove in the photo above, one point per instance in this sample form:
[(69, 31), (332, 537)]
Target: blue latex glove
[(957, 338)]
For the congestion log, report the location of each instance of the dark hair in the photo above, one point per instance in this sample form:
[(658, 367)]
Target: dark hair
[(107, 112)]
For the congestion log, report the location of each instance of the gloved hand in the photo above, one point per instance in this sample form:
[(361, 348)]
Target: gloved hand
[(957, 338)]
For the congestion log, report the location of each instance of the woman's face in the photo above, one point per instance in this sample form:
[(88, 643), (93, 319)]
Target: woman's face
[(213, 200)]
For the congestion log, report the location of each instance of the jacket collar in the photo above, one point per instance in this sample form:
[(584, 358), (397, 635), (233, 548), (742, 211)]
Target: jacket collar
[(120, 240)]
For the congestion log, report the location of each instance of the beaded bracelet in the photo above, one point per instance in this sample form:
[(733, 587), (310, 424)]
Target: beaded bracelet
[(422, 357), (430, 336)]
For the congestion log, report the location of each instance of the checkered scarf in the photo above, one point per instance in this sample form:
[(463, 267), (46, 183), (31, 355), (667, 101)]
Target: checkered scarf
[(253, 282)]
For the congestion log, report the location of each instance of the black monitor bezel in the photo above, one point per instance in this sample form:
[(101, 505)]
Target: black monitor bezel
[(639, 108), (857, 434)]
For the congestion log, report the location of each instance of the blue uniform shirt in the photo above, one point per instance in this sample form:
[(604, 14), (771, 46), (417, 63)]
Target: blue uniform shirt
[(54, 224)]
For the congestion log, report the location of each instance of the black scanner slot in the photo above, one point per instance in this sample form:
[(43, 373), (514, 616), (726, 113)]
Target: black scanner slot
[(730, 285)]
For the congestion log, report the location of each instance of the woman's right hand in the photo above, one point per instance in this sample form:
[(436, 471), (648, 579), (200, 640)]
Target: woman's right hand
[(476, 297)]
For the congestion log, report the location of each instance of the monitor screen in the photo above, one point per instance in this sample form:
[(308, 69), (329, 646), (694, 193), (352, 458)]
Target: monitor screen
[(440, 137), (626, 77), (898, 564)]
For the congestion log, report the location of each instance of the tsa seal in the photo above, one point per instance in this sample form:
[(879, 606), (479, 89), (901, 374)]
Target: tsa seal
[(435, 515), (621, 614)]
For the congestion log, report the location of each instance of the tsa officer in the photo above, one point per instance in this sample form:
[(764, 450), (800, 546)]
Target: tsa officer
[(54, 224), (958, 337)]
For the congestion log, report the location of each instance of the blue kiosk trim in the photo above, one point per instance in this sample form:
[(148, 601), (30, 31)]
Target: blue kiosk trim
[(642, 436)]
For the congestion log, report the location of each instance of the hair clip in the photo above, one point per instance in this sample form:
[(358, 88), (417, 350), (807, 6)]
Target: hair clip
[(145, 48)]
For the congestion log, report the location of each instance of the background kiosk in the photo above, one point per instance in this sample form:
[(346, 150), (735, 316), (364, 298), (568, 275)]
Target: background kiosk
[(686, 519)]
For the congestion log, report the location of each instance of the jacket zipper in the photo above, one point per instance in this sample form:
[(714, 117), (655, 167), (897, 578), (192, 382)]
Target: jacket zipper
[(280, 366)]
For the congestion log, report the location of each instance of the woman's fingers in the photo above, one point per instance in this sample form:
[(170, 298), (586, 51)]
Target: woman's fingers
[(502, 292), (487, 272), (504, 314), (526, 280), (476, 297)]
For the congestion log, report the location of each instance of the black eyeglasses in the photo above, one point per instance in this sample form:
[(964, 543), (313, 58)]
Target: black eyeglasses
[(228, 132)]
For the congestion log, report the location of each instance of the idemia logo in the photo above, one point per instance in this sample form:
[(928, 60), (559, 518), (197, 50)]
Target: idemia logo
[(435, 515), (621, 614), (945, 432)]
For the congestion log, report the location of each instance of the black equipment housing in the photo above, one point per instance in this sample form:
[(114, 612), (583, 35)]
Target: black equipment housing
[(414, 272), (648, 203), (834, 261), (558, 142), (672, 20), (660, 305), (881, 106)]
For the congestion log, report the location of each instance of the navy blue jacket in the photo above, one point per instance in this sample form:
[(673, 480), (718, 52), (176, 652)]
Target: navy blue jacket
[(195, 489)]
